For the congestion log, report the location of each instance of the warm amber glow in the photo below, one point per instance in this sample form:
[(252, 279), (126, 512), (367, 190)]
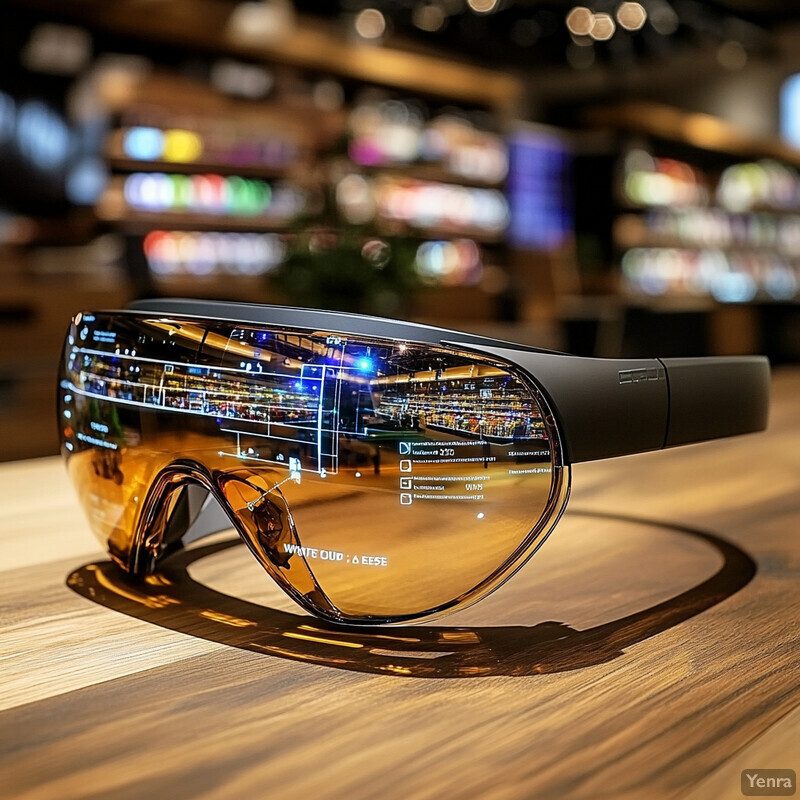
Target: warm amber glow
[(580, 20), (334, 642), (631, 16), (603, 27), (482, 6), (370, 24)]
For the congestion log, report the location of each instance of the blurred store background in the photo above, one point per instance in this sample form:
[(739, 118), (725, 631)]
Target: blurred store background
[(615, 179)]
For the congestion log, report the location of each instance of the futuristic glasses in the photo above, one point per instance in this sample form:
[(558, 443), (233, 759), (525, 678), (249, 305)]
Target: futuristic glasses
[(380, 471)]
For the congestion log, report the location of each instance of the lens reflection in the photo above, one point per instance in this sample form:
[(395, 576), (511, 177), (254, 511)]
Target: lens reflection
[(371, 478)]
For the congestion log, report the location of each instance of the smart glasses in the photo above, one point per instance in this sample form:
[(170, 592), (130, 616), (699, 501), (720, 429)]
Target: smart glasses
[(380, 471)]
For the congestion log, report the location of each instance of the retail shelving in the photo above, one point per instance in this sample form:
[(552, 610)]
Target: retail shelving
[(702, 219)]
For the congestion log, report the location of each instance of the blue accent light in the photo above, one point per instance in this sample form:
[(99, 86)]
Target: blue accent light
[(790, 110), (42, 136), (143, 144), (364, 365), (86, 181), (539, 188)]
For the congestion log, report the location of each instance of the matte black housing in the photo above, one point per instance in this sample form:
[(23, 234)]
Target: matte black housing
[(714, 397), (604, 407)]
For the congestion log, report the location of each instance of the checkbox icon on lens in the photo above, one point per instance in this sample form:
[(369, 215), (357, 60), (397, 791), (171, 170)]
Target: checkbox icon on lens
[(405, 483), (404, 448), (405, 465), (405, 499)]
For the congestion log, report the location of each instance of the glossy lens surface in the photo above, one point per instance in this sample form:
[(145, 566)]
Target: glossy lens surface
[(373, 479)]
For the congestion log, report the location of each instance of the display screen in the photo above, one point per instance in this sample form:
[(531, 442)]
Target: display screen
[(392, 475), (539, 191)]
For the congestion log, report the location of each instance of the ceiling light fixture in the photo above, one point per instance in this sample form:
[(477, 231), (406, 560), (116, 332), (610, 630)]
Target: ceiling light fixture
[(603, 27), (631, 16), (370, 24), (483, 6), (580, 21)]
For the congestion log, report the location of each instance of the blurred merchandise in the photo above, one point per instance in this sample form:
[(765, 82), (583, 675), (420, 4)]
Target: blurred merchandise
[(653, 181), (736, 277), (221, 144), (456, 263), (764, 184), (745, 248), (424, 206), (211, 194), (202, 254), (393, 132)]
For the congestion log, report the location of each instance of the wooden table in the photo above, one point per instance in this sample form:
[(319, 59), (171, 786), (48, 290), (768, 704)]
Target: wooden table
[(650, 649)]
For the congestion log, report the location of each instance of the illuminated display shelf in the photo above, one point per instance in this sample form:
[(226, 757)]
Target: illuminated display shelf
[(491, 417), (749, 257), (720, 227), (196, 130), (652, 236), (207, 395), (261, 394), (206, 145), (677, 240)]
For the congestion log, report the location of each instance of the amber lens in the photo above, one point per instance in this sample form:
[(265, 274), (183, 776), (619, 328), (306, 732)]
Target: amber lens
[(372, 478)]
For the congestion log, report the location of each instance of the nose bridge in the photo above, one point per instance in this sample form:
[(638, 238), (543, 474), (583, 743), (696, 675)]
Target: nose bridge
[(176, 497), (174, 501)]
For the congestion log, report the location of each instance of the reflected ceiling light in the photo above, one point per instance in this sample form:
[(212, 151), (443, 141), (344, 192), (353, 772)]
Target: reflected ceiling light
[(631, 16), (370, 24), (603, 27), (580, 21), (482, 6), (428, 17)]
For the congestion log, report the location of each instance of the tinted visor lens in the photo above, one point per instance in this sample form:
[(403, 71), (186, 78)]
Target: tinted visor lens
[(373, 479)]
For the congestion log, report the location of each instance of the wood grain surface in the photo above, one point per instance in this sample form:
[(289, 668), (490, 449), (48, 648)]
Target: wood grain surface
[(649, 650)]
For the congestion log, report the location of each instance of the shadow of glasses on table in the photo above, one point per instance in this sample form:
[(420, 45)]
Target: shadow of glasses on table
[(172, 599)]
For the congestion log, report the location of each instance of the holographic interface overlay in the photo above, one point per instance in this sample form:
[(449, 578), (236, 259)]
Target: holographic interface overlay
[(375, 480)]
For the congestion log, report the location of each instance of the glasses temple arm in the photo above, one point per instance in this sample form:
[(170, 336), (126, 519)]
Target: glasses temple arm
[(710, 398), (614, 407)]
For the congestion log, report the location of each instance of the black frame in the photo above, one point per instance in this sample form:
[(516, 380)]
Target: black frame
[(603, 407)]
